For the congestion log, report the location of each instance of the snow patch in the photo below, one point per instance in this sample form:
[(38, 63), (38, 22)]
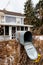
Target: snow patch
[(38, 37)]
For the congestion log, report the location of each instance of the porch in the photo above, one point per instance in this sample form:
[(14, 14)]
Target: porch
[(7, 32)]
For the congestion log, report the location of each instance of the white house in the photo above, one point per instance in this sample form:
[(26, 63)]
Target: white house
[(10, 22)]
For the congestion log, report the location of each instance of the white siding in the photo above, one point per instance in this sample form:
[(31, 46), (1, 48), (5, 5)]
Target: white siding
[(19, 20), (1, 19), (12, 19), (16, 20), (22, 20)]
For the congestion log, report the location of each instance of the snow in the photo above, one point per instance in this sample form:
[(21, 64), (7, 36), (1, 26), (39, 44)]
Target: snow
[(38, 37)]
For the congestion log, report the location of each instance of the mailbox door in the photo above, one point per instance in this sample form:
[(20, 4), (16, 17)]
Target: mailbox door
[(31, 51)]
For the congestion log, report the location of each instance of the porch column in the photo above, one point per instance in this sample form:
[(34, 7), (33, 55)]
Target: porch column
[(10, 32), (28, 28), (16, 28)]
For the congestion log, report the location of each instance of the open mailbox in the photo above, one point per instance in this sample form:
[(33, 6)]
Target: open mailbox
[(25, 38)]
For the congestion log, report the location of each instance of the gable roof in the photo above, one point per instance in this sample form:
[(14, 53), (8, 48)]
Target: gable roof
[(11, 13)]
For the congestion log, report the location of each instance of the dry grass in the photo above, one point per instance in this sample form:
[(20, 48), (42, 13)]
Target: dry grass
[(14, 52), (24, 59)]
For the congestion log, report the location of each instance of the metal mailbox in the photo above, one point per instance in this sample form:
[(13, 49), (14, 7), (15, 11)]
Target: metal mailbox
[(25, 38)]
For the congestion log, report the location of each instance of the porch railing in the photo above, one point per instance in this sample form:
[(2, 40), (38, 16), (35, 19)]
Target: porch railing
[(4, 37)]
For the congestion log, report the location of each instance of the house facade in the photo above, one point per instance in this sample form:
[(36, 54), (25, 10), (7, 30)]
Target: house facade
[(10, 23)]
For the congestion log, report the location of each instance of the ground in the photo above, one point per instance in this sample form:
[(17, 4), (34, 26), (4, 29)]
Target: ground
[(13, 53)]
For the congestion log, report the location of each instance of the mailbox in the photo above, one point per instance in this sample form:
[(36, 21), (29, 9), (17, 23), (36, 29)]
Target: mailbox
[(25, 38)]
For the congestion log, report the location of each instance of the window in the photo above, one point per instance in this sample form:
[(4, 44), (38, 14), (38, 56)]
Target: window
[(21, 20), (22, 28), (10, 19), (6, 30), (26, 28), (1, 30), (18, 28), (13, 30)]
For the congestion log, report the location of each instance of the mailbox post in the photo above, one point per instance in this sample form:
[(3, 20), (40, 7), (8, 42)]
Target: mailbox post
[(25, 38)]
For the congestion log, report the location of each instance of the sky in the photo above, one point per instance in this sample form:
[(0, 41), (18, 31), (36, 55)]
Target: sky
[(15, 5)]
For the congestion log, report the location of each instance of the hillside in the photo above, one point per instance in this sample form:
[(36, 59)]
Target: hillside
[(12, 53)]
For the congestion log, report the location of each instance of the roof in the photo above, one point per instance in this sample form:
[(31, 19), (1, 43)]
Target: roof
[(11, 13)]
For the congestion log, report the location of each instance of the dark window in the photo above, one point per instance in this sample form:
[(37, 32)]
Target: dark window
[(18, 28), (22, 28), (13, 29), (26, 28), (6, 30), (1, 30)]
